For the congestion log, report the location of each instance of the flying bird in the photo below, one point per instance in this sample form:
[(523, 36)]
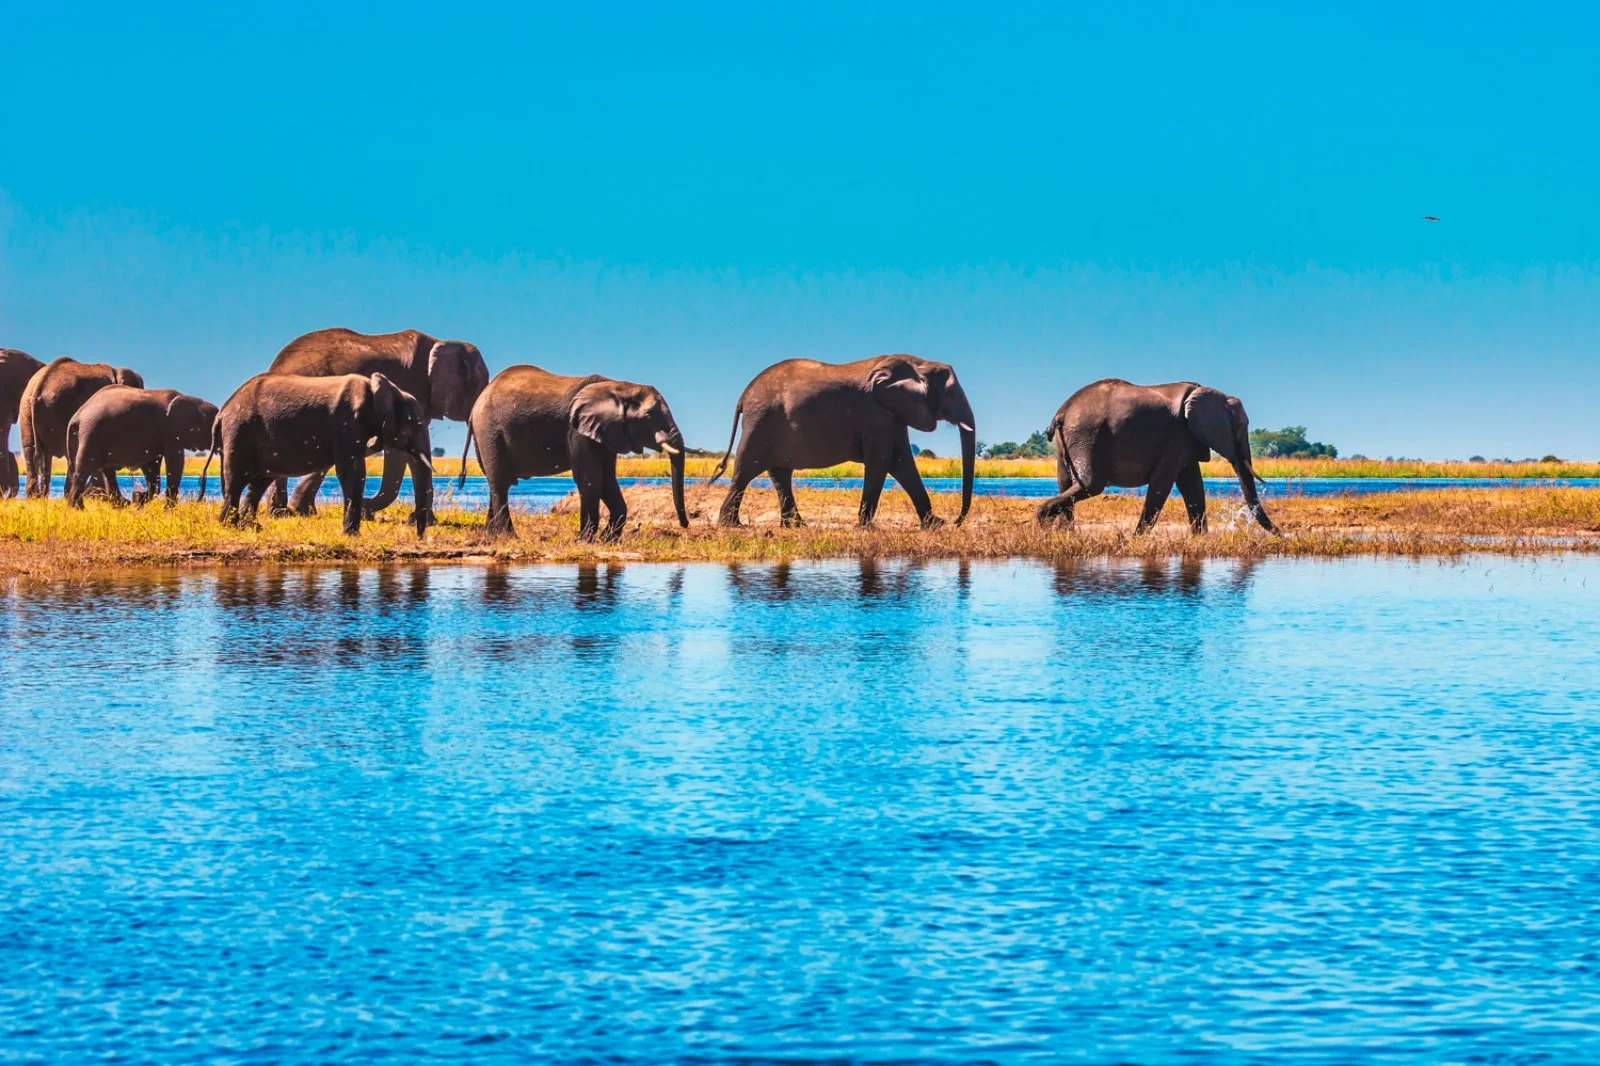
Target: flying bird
[(1430, 218)]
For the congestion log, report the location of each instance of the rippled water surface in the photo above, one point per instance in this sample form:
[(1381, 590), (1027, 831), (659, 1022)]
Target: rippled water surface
[(541, 493), (1307, 812)]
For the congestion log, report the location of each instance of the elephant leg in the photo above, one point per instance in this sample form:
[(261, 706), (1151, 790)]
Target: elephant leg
[(1192, 486), (588, 514), (1058, 510), (908, 477), (174, 461), (108, 477), (304, 502), (871, 489), (743, 473), (232, 486), (352, 473), (252, 501), (152, 484), (616, 506), (280, 497), (1155, 497), (394, 472), (422, 488), (499, 523), (10, 483), (783, 481)]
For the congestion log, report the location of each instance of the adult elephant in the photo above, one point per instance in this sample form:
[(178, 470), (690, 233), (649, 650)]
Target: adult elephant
[(801, 413), (532, 423), (1116, 433), (16, 369), (446, 377), (52, 397), (284, 425)]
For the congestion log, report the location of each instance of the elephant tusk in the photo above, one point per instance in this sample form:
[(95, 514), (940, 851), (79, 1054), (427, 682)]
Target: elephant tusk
[(965, 428), (669, 449), (425, 461)]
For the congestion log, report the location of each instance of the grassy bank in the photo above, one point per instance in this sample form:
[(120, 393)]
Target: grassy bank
[(1002, 468), (50, 538)]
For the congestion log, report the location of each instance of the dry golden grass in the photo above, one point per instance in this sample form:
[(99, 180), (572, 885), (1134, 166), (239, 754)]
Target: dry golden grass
[(697, 466), (47, 537)]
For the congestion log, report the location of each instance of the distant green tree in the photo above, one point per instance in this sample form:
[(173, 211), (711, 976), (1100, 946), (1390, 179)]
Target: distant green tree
[(1476, 459), (1288, 443), (1037, 446)]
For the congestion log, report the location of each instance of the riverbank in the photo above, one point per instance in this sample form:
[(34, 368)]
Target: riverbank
[(48, 538)]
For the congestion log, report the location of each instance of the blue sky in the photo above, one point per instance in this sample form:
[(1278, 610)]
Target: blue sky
[(1041, 196)]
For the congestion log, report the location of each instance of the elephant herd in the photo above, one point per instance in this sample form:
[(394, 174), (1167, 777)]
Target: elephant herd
[(333, 397)]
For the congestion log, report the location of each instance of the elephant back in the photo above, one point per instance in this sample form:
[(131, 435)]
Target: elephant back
[(401, 357)]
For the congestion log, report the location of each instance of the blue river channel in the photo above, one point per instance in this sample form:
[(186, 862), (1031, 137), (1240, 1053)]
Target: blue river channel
[(1158, 812)]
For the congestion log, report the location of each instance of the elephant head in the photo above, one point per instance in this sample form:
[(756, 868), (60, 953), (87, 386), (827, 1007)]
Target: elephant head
[(623, 417), (1218, 422), (123, 376), (396, 419), (457, 374), (922, 394), (189, 422)]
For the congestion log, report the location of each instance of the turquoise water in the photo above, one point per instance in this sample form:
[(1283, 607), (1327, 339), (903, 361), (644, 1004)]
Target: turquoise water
[(1289, 812), (541, 493)]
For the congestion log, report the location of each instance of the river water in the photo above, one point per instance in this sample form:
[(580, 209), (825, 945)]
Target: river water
[(1285, 812), (539, 494)]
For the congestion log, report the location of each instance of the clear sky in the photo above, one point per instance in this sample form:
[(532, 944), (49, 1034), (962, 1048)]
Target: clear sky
[(1041, 196)]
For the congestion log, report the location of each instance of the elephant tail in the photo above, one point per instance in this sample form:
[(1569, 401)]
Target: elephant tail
[(466, 446), (722, 466), (1058, 432), (216, 446), (72, 450)]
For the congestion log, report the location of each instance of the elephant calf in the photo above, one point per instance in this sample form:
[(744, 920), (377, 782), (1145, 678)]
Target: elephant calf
[(283, 425), (121, 426), (532, 423), (1116, 433)]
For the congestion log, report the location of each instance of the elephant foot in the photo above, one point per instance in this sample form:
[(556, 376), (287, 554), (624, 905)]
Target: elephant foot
[(932, 521), (281, 512), (792, 521)]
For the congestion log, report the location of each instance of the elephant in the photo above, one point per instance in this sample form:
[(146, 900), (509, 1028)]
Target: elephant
[(802, 413), (532, 423), (121, 426), (446, 377), (52, 397), (1116, 433), (285, 425), (16, 369)]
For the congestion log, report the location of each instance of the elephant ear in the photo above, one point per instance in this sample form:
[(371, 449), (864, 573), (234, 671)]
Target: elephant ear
[(124, 376), (181, 416), (598, 413), (383, 422), (911, 397), (456, 375), (1213, 417)]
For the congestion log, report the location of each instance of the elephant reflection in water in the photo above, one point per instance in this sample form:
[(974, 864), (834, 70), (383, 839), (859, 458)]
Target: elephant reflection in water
[(319, 603), (1158, 576)]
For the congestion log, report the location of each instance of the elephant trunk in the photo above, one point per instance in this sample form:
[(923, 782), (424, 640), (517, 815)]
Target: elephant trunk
[(969, 455), (1247, 484), (959, 411), (676, 458)]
